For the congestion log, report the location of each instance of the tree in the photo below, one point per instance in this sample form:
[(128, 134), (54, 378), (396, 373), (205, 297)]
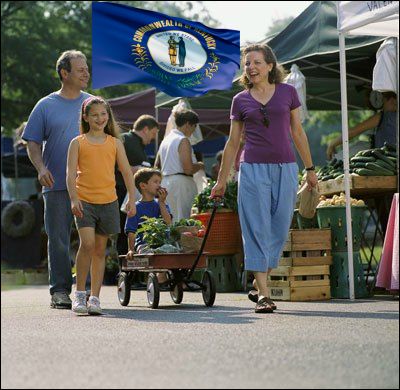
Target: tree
[(35, 33), (278, 25)]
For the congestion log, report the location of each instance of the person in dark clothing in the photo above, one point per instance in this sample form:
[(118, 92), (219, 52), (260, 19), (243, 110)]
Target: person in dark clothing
[(384, 122), (144, 131), (182, 51)]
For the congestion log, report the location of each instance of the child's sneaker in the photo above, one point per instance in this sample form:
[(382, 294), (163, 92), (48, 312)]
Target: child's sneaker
[(94, 306), (79, 304)]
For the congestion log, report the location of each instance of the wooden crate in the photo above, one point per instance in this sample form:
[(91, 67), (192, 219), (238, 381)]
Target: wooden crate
[(303, 272), (316, 293), (307, 247)]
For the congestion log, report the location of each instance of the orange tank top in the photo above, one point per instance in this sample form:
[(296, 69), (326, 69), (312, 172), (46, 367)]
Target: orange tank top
[(95, 182)]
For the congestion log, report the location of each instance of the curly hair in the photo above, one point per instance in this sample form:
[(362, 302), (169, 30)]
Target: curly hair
[(277, 73)]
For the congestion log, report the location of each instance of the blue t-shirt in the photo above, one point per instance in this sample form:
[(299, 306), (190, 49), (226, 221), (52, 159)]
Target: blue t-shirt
[(149, 209), (54, 122)]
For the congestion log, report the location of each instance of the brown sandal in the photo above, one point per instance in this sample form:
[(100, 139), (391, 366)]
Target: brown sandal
[(272, 303), (263, 306), (253, 296)]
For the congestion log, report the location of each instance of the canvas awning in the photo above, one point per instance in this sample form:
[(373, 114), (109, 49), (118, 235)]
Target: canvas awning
[(369, 17), (127, 109)]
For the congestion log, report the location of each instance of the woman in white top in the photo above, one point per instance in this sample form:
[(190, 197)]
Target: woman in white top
[(178, 164)]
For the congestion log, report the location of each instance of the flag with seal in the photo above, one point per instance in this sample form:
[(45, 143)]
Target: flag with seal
[(177, 56)]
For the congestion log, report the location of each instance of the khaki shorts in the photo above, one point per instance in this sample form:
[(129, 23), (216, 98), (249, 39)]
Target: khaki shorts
[(104, 218)]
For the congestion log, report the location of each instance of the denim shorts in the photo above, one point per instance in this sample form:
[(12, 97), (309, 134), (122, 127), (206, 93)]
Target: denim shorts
[(104, 218)]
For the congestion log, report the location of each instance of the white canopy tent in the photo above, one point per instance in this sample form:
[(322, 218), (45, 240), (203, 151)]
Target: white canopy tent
[(377, 18)]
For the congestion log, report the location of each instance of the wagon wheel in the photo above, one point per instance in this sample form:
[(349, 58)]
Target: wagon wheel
[(124, 288), (209, 289), (153, 291), (177, 292)]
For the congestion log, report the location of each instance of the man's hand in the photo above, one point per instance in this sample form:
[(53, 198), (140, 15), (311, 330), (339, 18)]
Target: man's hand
[(46, 178), (130, 254)]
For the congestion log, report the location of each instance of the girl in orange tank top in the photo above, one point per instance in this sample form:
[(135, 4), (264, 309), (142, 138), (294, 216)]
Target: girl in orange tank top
[(91, 185)]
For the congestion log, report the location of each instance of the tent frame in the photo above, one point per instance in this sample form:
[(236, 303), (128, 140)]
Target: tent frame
[(345, 139)]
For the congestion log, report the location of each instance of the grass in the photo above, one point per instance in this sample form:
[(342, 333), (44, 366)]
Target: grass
[(377, 254)]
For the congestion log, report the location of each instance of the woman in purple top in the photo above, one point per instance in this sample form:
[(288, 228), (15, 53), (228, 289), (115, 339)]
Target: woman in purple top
[(268, 111)]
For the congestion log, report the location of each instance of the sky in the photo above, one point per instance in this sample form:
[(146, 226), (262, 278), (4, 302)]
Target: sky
[(253, 18)]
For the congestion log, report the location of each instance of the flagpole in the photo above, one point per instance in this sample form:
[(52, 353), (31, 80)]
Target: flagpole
[(156, 141)]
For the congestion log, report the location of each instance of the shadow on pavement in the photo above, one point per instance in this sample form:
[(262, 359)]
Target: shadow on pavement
[(383, 315), (185, 313)]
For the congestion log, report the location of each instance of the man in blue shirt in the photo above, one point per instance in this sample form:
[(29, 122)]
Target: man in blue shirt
[(51, 126)]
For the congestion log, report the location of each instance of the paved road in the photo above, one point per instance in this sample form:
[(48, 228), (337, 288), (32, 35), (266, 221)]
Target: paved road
[(335, 344)]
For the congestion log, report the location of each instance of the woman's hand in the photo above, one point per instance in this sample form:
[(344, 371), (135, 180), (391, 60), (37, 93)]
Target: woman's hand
[(312, 180), (77, 208), (130, 208), (218, 190), (130, 254)]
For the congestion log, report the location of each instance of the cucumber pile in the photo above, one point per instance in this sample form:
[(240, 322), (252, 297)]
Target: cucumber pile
[(375, 162), (370, 162), (333, 170)]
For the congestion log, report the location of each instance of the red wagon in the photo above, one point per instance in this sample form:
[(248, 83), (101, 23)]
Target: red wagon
[(179, 268)]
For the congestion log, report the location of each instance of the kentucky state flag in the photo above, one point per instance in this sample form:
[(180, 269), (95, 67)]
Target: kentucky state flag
[(177, 56)]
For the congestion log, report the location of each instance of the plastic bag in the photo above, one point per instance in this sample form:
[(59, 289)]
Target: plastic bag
[(197, 136), (384, 74), (297, 79)]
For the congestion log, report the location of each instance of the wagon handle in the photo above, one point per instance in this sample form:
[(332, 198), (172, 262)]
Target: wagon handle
[(217, 202)]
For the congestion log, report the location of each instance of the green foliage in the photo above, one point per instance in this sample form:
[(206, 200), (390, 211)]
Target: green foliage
[(279, 25), (187, 222), (326, 139), (335, 117), (203, 202), (155, 232), (323, 126), (175, 234), (35, 33)]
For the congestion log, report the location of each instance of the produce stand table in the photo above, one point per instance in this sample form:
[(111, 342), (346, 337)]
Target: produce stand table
[(377, 189), (360, 186)]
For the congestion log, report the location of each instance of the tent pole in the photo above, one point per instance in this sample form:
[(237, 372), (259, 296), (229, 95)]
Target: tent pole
[(156, 140), (345, 139), (397, 114)]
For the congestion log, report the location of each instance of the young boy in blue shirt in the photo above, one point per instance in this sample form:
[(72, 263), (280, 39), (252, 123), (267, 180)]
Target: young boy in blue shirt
[(148, 182)]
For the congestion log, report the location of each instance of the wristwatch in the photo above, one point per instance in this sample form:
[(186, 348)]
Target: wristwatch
[(312, 168)]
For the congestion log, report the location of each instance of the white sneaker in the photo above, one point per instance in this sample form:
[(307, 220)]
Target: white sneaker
[(94, 306), (79, 304)]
